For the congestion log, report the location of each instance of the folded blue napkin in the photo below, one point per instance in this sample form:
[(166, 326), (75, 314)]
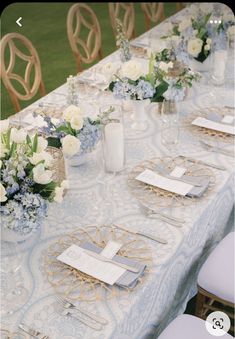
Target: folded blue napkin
[(128, 279), (196, 192)]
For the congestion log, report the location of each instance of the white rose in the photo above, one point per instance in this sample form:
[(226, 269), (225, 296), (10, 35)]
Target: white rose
[(206, 7), (207, 47), (42, 144), (18, 135), (131, 69), (194, 46), (77, 122), (70, 145), (4, 124), (3, 192), (37, 157), (72, 111), (42, 176), (184, 24), (3, 150), (164, 66), (65, 184), (59, 191), (208, 41)]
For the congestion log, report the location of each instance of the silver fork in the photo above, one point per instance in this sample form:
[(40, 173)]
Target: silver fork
[(32, 332), (216, 149), (73, 313), (67, 304), (177, 222)]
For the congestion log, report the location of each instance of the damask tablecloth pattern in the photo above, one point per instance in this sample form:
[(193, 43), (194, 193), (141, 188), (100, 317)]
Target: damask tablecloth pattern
[(144, 312)]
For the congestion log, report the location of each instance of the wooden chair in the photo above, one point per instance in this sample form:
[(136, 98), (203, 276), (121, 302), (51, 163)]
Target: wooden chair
[(125, 12), (216, 281), (153, 12), (32, 81), (179, 6), (84, 34)]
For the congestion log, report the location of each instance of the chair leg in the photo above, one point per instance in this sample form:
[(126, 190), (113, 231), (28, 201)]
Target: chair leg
[(199, 305)]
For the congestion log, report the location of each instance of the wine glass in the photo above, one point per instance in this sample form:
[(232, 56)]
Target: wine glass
[(13, 293), (170, 125)]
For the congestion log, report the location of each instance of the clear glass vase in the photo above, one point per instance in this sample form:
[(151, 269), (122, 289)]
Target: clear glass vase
[(169, 125), (139, 116), (219, 55)]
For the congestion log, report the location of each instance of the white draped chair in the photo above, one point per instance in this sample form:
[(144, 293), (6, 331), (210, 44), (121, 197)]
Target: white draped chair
[(188, 326), (216, 280)]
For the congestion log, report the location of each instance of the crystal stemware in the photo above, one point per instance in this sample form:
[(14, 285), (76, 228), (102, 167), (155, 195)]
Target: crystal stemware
[(13, 293)]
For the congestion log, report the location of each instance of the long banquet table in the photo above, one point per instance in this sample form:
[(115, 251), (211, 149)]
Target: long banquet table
[(165, 291)]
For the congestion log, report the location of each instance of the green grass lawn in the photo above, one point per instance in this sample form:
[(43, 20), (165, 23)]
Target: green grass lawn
[(45, 25)]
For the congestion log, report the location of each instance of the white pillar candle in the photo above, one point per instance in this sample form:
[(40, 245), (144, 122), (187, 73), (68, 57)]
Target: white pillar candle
[(220, 58), (114, 147)]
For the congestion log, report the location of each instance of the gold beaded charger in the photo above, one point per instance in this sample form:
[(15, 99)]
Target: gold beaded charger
[(75, 285), (154, 197), (206, 133)]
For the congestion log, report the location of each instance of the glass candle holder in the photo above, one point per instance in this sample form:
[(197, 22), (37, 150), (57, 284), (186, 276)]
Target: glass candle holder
[(169, 124), (113, 145)]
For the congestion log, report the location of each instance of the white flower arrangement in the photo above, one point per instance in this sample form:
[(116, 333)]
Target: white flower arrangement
[(26, 179), (74, 133), (158, 84), (192, 37)]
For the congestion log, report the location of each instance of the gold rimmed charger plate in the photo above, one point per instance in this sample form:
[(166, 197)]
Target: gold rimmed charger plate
[(206, 133), (75, 285), (155, 197)]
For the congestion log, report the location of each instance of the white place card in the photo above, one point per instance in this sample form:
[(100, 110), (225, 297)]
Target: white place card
[(111, 249), (77, 257), (228, 119), (178, 172), (152, 178), (217, 126)]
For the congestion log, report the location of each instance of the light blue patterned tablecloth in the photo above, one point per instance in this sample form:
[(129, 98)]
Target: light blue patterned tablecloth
[(172, 281)]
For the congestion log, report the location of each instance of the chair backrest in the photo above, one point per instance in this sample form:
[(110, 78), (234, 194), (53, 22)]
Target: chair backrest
[(125, 12), (31, 82), (153, 12), (84, 34)]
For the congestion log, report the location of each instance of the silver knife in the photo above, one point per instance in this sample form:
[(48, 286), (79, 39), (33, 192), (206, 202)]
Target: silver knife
[(206, 163), (74, 314), (32, 332), (157, 239), (216, 149), (102, 258)]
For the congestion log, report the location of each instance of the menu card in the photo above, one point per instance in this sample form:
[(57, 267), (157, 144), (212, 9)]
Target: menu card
[(217, 126), (77, 257), (155, 179)]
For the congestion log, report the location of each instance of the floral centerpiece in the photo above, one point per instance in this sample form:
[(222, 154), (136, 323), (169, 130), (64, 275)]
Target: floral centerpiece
[(192, 37), (76, 134), (164, 80), (27, 184)]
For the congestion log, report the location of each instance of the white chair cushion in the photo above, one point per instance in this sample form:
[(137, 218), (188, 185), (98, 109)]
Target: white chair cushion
[(187, 326), (217, 273)]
